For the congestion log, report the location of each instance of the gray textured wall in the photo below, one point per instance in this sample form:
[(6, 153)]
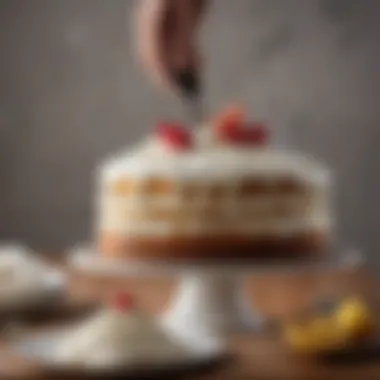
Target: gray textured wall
[(71, 92)]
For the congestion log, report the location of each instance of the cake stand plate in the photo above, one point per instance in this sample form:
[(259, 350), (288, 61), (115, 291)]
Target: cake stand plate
[(209, 300)]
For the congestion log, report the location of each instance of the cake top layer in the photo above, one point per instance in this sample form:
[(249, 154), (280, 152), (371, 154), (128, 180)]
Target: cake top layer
[(222, 150)]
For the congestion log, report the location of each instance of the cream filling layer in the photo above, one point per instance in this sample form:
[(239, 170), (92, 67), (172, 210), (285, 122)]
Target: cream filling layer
[(132, 205), (168, 229), (125, 216)]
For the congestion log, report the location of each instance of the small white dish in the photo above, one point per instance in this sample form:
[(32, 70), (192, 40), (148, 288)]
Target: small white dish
[(43, 350), (27, 283), (52, 290)]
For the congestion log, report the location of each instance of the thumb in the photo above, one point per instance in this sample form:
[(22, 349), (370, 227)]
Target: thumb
[(182, 41), (151, 18)]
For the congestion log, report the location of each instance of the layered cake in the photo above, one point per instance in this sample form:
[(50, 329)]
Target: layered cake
[(215, 191)]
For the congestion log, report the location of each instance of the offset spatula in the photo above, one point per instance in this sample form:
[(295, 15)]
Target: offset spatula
[(188, 82)]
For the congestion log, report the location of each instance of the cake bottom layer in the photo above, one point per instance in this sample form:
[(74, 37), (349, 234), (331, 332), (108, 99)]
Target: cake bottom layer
[(301, 245)]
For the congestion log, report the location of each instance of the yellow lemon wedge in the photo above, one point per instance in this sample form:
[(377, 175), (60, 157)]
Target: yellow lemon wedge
[(319, 335), (299, 339), (355, 317), (327, 334)]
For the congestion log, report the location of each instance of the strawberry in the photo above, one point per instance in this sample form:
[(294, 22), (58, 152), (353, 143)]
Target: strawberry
[(175, 135), (256, 134), (230, 131), (232, 115), (123, 302), (253, 134)]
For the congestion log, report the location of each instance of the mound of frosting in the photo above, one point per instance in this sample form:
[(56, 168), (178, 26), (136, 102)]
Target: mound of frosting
[(121, 335), (21, 276)]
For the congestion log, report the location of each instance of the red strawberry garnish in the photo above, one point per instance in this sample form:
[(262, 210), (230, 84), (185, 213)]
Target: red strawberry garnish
[(252, 134), (233, 115), (176, 136), (256, 133), (230, 130), (124, 302)]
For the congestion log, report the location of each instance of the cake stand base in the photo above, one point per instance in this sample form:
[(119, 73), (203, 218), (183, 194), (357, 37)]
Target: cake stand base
[(210, 297), (211, 305)]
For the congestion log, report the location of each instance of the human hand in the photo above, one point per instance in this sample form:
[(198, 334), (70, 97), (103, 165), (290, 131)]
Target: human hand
[(167, 37)]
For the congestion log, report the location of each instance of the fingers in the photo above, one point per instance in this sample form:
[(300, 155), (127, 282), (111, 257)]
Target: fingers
[(181, 47), (167, 36), (190, 13), (151, 38)]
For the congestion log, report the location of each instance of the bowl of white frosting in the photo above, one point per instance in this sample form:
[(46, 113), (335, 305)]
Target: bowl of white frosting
[(26, 281)]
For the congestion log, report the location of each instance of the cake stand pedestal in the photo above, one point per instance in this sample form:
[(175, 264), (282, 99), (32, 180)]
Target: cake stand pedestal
[(209, 299), (211, 305)]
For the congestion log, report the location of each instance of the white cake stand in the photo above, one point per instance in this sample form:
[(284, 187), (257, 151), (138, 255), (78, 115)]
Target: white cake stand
[(209, 298)]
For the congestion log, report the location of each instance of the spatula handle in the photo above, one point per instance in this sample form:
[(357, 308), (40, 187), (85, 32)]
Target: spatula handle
[(188, 82)]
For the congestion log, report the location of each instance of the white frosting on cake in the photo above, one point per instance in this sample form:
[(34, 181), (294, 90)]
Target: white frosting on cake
[(117, 338), (151, 159)]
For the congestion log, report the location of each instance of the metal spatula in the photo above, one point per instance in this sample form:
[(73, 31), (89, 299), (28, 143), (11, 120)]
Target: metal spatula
[(188, 82)]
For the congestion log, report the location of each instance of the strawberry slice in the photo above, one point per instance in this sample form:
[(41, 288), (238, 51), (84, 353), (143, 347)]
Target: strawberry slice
[(232, 115), (254, 134), (124, 302), (230, 130), (175, 135)]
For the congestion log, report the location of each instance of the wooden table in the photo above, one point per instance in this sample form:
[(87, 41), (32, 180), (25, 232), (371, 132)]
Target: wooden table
[(258, 356)]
